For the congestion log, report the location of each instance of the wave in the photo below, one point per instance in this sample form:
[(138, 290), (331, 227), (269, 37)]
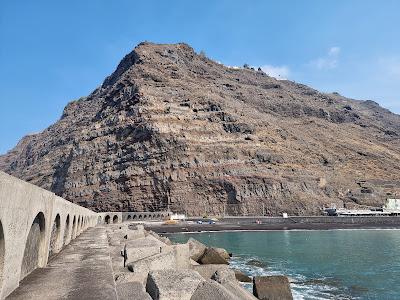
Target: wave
[(302, 287)]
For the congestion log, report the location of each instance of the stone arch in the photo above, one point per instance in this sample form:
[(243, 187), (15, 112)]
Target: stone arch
[(55, 236), (2, 253), (140, 217), (107, 219), (134, 217), (73, 228), (34, 246), (67, 231), (78, 226), (144, 217), (158, 216), (99, 220), (115, 219), (129, 217)]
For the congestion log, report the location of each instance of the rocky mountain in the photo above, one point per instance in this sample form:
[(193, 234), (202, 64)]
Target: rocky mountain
[(172, 128)]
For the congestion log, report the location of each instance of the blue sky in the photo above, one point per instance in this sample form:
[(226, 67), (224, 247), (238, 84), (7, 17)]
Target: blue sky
[(52, 52)]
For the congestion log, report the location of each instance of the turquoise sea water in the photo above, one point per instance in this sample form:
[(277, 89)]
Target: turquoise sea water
[(333, 264)]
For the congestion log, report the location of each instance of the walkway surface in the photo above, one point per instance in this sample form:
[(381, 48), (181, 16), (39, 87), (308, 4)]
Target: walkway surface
[(82, 270)]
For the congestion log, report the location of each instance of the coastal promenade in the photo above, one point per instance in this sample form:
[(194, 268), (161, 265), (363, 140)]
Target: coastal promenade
[(80, 271)]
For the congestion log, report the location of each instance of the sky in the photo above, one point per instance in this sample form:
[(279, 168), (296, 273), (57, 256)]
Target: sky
[(52, 52)]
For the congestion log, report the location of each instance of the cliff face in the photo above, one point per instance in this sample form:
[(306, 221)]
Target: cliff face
[(173, 128)]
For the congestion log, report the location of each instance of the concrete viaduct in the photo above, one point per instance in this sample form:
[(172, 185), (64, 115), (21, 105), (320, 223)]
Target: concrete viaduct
[(35, 224)]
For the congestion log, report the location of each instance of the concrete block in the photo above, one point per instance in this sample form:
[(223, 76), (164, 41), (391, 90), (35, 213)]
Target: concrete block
[(152, 263), (212, 290), (171, 257), (132, 290), (224, 275), (235, 288), (272, 288), (194, 263), (196, 248), (225, 254), (211, 256), (181, 253), (172, 284), (165, 240), (240, 276), (208, 271), (136, 254)]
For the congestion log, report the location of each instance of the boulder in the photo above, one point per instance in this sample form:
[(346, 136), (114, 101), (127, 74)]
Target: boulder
[(242, 277), (132, 290), (223, 253), (211, 290), (172, 284), (211, 256), (208, 271), (196, 249), (272, 288)]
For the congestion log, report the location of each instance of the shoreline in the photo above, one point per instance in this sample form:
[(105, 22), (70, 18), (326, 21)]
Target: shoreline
[(224, 227)]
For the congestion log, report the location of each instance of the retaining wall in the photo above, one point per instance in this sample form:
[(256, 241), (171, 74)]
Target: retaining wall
[(119, 217), (34, 224)]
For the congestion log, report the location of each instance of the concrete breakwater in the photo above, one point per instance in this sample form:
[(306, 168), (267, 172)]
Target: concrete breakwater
[(149, 266), (34, 225)]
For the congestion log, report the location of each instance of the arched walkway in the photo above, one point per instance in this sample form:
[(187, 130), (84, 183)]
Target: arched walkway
[(78, 226), (33, 254), (73, 228), (115, 219), (2, 253), (107, 219), (67, 234), (55, 236)]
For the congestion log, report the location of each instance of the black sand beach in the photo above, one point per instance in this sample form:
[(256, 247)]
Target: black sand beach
[(296, 223)]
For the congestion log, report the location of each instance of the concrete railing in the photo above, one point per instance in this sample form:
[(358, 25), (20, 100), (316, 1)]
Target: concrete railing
[(119, 217), (34, 225)]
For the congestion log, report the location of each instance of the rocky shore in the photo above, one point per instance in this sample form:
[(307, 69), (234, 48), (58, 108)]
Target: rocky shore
[(149, 266)]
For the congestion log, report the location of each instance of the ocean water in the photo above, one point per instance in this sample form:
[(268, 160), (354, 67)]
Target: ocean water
[(332, 264)]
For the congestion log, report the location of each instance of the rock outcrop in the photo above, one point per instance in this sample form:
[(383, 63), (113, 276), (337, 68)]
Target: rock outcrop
[(171, 128)]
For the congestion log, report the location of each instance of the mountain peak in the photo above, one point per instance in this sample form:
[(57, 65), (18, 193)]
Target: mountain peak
[(171, 128), (148, 52)]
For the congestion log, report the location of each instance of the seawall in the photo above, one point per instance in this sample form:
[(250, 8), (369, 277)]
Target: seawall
[(34, 225)]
